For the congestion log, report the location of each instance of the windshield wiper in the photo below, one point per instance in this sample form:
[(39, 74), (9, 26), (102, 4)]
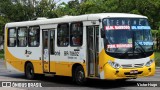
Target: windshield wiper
[(141, 48), (126, 52)]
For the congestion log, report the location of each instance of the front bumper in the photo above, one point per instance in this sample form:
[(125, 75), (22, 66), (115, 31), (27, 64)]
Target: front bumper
[(122, 73)]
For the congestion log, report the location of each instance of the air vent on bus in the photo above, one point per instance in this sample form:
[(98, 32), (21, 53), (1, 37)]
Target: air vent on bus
[(66, 16), (127, 65), (41, 18), (132, 65), (138, 65)]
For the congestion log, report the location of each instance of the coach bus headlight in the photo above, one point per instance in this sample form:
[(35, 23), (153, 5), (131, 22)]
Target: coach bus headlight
[(149, 63), (114, 64)]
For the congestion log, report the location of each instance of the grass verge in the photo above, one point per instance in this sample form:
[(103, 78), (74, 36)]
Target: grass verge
[(1, 54), (157, 58)]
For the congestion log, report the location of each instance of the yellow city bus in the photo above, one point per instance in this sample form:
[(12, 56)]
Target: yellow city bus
[(107, 46)]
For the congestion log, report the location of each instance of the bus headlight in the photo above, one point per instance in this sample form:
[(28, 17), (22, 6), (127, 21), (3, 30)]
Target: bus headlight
[(149, 63), (114, 64)]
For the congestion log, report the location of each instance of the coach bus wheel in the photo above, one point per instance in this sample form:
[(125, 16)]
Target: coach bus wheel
[(29, 71), (79, 75)]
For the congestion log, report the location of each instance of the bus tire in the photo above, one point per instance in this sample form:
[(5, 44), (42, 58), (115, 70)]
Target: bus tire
[(79, 75), (29, 71)]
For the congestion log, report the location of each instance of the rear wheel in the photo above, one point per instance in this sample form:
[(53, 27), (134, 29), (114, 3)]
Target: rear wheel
[(29, 71), (79, 75)]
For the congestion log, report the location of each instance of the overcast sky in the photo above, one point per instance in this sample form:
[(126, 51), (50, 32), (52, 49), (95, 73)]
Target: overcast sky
[(63, 1)]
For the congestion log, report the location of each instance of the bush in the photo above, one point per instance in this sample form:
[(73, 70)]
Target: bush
[(156, 38), (2, 51)]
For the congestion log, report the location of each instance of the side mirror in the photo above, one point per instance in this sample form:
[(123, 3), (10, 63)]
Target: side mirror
[(102, 33)]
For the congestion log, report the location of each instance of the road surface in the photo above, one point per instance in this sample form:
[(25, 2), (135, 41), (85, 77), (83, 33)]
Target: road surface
[(65, 83)]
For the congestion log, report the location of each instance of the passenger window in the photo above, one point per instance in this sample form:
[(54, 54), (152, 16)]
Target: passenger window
[(34, 36), (76, 34), (63, 35), (22, 37), (12, 37)]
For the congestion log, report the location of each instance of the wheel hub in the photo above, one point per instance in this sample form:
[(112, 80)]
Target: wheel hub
[(80, 76)]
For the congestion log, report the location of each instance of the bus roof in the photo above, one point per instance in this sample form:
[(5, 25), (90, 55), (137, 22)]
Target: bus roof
[(73, 19)]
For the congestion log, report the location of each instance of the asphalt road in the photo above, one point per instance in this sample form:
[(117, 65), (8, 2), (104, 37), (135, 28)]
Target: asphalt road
[(65, 83)]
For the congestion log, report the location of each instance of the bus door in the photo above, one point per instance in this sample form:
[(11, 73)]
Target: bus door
[(48, 49), (93, 50)]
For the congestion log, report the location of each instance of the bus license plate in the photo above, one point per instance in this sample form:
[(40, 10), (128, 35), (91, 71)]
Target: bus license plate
[(134, 72)]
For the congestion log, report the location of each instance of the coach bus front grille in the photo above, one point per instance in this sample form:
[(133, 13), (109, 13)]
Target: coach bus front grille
[(127, 66), (132, 65), (138, 65)]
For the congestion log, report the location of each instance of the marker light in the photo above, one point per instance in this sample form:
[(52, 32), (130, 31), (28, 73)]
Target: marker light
[(114, 64), (149, 63)]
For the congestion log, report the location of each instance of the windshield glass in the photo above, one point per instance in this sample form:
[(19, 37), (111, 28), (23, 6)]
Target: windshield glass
[(127, 35)]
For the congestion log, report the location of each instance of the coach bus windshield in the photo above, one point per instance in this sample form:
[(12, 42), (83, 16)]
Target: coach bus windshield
[(127, 37)]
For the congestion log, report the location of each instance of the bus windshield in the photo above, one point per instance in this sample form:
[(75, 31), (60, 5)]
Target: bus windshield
[(127, 35)]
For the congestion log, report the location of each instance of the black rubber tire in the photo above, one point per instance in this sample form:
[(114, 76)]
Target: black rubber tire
[(29, 71), (79, 75)]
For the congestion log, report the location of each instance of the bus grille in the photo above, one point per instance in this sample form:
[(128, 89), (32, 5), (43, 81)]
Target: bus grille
[(127, 66), (132, 65)]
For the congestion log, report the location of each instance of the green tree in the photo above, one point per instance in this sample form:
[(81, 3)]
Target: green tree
[(149, 8), (15, 11), (46, 9), (3, 21), (70, 8)]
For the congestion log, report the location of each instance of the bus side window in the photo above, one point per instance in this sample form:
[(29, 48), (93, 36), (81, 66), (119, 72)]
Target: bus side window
[(12, 35), (63, 34), (34, 36), (76, 34), (22, 37)]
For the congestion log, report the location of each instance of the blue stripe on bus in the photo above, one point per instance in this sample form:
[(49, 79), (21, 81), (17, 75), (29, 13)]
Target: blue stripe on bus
[(145, 43), (140, 27)]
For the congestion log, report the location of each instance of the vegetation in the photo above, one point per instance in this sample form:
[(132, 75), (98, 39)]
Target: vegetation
[(157, 58), (1, 54)]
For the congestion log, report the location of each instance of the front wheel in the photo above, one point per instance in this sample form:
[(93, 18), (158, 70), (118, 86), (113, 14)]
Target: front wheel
[(79, 75), (29, 71)]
